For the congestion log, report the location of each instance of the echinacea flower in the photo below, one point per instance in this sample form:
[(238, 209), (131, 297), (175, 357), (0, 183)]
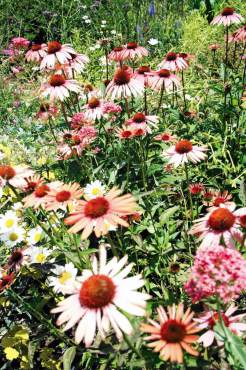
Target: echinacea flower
[(32, 182), (124, 132), (132, 50), (196, 188), (183, 152), (173, 62), (165, 137), (163, 79), (6, 280), (78, 62), (57, 53), (143, 119), (217, 271), (123, 85), (214, 47), (79, 120), (15, 175), (36, 53), (97, 298), (58, 88), (111, 108), (47, 111), (174, 332), (142, 74), (17, 259), (218, 198), (210, 318), (90, 215), (38, 197), (94, 190), (65, 195), (220, 223), (94, 109), (227, 17), (116, 54), (64, 278), (241, 34)]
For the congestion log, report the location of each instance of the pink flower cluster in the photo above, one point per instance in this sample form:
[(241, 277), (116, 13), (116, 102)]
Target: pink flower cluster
[(217, 271), (110, 107)]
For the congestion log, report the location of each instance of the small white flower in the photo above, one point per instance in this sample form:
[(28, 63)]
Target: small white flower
[(64, 278), (14, 236), (93, 190), (85, 17), (113, 32), (34, 235), (153, 42), (88, 21), (17, 206), (38, 254), (103, 21), (8, 221)]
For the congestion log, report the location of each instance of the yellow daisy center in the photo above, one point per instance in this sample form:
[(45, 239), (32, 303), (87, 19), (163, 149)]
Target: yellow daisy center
[(40, 258), (64, 277), (96, 191), (13, 237), (37, 237), (9, 223)]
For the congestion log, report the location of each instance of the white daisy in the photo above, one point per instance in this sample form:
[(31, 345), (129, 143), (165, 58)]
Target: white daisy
[(34, 235), (8, 221), (13, 237), (97, 298), (38, 254), (64, 278), (94, 189)]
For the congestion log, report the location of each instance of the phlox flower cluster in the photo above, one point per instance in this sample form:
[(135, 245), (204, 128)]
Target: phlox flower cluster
[(217, 271)]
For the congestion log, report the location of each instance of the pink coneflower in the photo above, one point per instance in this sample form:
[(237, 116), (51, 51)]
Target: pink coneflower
[(116, 54), (218, 198), (47, 111), (210, 318), (6, 280), (97, 297), (173, 62), (165, 137), (214, 47), (174, 332), (186, 57), (163, 79), (15, 175), (132, 50), (58, 88), (94, 108), (70, 145), (63, 196), (220, 223), (123, 85), (32, 182), (78, 62), (79, 120), (142, 74), (57, 53), (143, 119), (227, 17), (241, 34), (19, 43), (17, 259), (91, 215), (217, 271), (39, 196), (36, 53), (124, 133), (183, 152), (196, 188)]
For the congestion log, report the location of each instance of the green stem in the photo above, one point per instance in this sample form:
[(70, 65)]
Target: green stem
[(188, 183)]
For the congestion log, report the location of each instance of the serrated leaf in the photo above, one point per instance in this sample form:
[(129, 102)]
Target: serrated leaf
[(167, 214), (68, 358)]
